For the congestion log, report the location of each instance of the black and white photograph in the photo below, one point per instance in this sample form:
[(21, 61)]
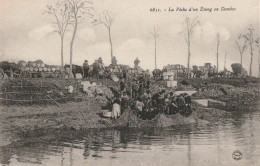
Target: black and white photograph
[(129, 83)]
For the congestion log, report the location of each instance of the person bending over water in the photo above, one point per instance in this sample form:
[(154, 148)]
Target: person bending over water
[(116, 109)]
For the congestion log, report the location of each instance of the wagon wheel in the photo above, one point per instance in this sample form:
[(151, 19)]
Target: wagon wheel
[(16, 74), (25, 74)]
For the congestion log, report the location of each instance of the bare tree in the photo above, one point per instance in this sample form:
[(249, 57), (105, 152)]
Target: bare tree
[(79, 10), (154, 34), (189, 26), (217, 49), (250, 39), (258, 46), (107, 18), (241, 45), (61, 14)]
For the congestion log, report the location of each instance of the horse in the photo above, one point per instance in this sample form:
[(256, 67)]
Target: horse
[(9, 68), (75, 69), (157, 74)]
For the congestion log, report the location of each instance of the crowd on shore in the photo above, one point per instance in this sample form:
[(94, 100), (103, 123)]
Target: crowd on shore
[(135, 93), (138, 96)]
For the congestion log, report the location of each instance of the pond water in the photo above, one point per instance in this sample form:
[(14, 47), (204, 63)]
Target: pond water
[(193, 145)]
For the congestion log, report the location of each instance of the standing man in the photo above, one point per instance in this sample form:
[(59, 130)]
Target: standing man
[(101, 64), (148, 82), (124, 102), (136, 63), (96, 69), (134, 89), (122, 85), (141, 88), (114, 61), (85, 69)]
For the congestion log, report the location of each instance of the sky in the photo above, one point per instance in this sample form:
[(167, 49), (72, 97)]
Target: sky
[(27, 34)]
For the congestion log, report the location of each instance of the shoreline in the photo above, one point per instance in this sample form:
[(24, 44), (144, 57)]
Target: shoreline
[(79, 116), (86, 114)]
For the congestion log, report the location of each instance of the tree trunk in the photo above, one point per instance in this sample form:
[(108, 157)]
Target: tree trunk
[(188, 60), (111, 45), (251, 42), (217, 50), (225, 61), (71, 45), (188, 44), (258, 61), (241, 59), (155, 53), (61, 52), (258, 68), (251, 59)]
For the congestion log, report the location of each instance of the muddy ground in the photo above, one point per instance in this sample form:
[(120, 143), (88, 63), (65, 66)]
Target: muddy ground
[(243, 96)]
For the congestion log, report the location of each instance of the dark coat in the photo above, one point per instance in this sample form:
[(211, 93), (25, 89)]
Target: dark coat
[(122, 86), (75, 69), (85, 66)]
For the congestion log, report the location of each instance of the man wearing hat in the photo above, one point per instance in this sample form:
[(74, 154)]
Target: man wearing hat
[(136, 62), (85, 69)]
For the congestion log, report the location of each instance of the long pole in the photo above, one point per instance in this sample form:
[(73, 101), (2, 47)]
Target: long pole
[(111, 45), (155, 53), (225, 60), (217, 49), (251, 40), (155, 43)]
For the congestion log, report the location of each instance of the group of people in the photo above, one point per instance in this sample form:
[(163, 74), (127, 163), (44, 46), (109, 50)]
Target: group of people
[(125, 97), (118, 104), (98, 66), (146, 104), (135, 93)]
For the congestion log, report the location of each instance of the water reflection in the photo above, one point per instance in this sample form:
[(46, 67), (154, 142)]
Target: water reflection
[(190, 145)]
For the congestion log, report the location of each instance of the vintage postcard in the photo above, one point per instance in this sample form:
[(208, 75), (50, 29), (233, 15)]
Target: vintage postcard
[(129, 82)]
